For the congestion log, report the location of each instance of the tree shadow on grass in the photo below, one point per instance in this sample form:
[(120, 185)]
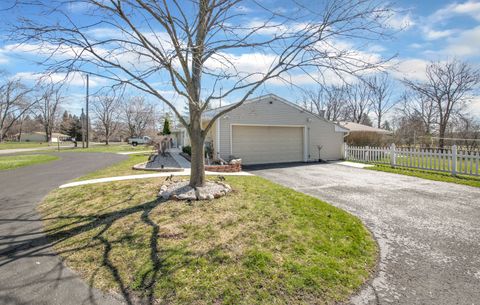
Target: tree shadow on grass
[(36, 244)]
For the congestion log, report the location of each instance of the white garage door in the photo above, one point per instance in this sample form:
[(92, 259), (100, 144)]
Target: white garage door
[(267, 144)]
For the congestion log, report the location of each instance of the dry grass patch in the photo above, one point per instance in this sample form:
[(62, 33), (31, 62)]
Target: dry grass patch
[(262, 244)]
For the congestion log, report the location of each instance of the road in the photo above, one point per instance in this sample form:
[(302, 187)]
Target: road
[(428, 231), (30, 273), (32, 149)]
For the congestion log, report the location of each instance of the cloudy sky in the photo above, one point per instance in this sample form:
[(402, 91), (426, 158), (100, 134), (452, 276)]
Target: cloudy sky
[(427, 30)]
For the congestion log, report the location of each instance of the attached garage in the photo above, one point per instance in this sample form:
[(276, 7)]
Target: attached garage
[(270, 129), (258, 144)]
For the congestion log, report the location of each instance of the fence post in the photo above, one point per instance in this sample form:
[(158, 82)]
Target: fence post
[(345, 151), (393, 157), (454, 160), (367, 154)]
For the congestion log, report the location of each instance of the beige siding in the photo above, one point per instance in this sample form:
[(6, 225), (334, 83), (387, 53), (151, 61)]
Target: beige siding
[(267, 144), (270, 111)]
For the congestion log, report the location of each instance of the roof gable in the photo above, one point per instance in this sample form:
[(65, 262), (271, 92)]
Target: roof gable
[(210, 113)]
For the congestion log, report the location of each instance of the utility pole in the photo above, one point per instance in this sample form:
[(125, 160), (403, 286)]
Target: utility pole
[(82, 119), (87, 120)]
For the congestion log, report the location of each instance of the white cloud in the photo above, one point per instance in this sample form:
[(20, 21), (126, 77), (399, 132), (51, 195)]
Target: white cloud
[(3, 57), (410, 68), (467, 43), (470, 8), (416, 46), (75, 79), (78, 7), (431, 34), (242, 9), (400, 21), (256, 64)]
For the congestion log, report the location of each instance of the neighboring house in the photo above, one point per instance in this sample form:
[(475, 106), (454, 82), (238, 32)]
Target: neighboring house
[(362, 135), (39, 136), (270, 129)]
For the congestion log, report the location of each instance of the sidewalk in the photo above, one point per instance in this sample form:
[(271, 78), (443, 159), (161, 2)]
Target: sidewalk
[(185, 172)]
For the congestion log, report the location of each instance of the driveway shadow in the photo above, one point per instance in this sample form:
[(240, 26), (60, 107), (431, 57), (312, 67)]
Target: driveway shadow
[(259, 167), (36, 245)]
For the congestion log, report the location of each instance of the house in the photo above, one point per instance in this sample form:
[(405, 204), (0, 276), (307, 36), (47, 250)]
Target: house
[(39, 136), (363, 135), (270, 129)]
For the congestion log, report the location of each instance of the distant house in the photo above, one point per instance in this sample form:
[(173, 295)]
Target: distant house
[(39, 136), (362, 135), (270, 129)]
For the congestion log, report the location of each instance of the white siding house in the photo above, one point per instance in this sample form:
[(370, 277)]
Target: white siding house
[(270, 129), (39, 136)]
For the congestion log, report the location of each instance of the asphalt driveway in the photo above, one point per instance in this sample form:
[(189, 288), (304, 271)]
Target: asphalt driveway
[(30, 273), (428, 231)]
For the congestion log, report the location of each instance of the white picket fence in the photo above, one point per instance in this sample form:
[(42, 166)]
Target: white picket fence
[(442, 160)]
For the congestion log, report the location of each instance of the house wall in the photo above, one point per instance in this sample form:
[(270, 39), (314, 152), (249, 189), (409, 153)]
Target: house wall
[(32, 137), (270, 111)]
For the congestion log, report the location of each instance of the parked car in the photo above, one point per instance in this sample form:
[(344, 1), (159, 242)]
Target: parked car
[(139, 140)]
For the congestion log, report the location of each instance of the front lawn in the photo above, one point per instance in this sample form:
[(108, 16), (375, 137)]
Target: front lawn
[(437, 176), (11, 162), (16, 145), (263, 244)]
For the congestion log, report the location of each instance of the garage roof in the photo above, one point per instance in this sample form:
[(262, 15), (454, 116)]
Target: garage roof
[(207, 115)]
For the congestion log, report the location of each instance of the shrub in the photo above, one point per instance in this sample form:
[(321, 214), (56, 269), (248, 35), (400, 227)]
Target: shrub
[(187, 150)]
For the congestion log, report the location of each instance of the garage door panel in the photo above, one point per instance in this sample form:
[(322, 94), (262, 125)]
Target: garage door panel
[(267, 144)]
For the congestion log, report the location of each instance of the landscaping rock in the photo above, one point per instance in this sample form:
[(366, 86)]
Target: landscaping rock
[(180, 190), (235, 161)]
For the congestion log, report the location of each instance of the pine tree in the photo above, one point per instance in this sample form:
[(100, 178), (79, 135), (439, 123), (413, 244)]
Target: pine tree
[(166, 127)]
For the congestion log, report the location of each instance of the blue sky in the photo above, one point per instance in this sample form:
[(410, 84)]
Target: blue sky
[(427, 30)]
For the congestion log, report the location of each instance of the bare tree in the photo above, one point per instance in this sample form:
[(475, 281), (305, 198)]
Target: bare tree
[(107, 112), (331, 100), (15, 103), (447, 88), (138, 116), (358, 101), (48, 108), (194, 46), (415, 106), (380, 96), (467, 130)]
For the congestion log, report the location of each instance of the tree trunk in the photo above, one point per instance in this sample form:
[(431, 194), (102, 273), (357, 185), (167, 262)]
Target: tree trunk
[(441, 141), (197, 174)]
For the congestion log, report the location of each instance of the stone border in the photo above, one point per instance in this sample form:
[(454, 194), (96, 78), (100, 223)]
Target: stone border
[(141, 166), (227, 168), (180, 190)]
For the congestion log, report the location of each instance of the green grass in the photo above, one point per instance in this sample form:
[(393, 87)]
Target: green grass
[(16, 145), (431, 175), (11, 162), (122, 168), (262, 244)]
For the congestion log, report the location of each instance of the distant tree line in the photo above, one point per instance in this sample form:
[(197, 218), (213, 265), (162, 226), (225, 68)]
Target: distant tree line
[(431, 112), (41, 107)]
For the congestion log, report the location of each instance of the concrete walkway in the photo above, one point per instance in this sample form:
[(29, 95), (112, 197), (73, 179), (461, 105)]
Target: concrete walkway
[(428, 231), (30, 272), (185, 172), (175, 153)]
